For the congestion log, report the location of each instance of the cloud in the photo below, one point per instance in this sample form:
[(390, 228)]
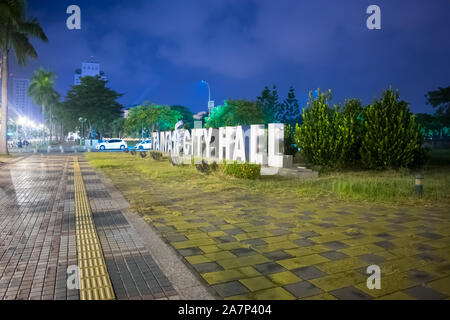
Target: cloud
[(147, 48)]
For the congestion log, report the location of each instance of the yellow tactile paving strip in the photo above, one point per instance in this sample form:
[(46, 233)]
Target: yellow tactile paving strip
[(95, 283)]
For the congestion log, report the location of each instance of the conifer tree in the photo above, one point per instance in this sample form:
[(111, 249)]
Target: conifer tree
[(392, 137), (289, 111)]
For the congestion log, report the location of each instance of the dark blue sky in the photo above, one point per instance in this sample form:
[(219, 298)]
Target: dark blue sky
[(160, 50)]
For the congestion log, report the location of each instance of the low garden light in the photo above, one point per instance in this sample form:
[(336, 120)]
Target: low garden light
[(418, 188)]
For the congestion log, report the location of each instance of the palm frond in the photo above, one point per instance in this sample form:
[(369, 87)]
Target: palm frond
[(33, 28), (22, 48), (15, 28)]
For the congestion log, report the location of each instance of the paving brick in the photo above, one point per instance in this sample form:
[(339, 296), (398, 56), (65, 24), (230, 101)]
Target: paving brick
[(308, 273), (207, 267), (38, 229), (372, 258), (229, 289), (277, 255), (242, 252), (302, 289), (350, 293), (419, 276), (424, 293), (269, 268), (304, 242), (333, 255), (336, 245)]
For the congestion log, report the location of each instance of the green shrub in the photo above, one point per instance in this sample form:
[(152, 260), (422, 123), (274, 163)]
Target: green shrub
[(214, 166), (326, 136), (354, 122), (392, 138), (156, 155), (290, 147), (243, 170), (203, 167)]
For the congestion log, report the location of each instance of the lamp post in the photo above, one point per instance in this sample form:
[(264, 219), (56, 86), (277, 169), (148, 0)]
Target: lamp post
[(418, 188), (82, 120), (209, 89), (23, 122), (210, 103)]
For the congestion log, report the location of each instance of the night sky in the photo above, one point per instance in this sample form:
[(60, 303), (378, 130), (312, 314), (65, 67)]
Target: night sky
[(160, 50)]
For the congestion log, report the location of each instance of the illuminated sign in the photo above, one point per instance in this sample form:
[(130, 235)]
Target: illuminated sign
[(253, 144)]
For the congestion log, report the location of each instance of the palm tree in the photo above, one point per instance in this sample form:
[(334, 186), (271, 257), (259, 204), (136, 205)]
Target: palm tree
[(42, 93), (15, 28)]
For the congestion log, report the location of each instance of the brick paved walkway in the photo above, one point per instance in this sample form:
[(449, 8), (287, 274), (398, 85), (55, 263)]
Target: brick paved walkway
[(246, 245), (37, 234)]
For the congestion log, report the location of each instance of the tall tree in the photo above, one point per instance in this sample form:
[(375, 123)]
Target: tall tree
[(323, 138), (118, 127), (430, 123), (289, 111), (440, 99), (94, 101), (150, 117), (236, 112), (268, 102), (392, 137), (167, 118), (138, 119), (15, 29), (60, 117), (42, 92), (187, 116)]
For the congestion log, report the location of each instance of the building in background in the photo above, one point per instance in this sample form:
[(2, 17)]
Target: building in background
[(19, 103), (126, 110), (21, 100), (88, 69)]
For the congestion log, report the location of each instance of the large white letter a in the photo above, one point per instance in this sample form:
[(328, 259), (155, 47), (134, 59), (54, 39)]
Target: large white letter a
[(74, 20), (374, 21)]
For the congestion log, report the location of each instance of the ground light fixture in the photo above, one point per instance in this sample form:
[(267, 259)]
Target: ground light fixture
[(418, 188)]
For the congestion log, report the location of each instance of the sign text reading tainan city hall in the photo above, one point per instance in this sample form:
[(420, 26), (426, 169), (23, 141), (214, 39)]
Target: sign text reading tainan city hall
[(253, 144)]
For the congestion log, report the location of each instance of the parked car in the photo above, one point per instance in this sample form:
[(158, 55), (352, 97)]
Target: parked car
[(112, 144), (144, 145)]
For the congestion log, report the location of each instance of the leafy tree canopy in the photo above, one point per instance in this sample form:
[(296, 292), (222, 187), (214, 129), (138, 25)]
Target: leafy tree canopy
[(236, 112), (440, 99), (94, 101), (150, 117), (186, 114), (431, 124)]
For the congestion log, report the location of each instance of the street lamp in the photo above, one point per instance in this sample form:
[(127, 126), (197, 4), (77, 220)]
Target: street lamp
[(25, 123), (210, 103), (82, 120), (209, 89)]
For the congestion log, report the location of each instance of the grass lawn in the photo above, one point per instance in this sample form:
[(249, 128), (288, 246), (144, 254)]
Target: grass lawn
[(6, 158), (389, 187)]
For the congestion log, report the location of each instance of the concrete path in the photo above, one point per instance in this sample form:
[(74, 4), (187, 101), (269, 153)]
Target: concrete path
[(41, 237)]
